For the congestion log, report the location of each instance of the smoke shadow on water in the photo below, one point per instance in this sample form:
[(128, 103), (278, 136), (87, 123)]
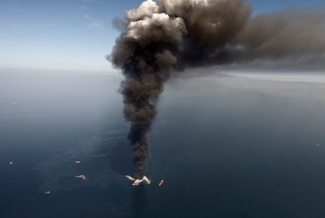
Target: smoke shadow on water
[(140, 202)]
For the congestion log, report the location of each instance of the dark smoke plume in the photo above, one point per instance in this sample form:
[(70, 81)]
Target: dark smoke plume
[(162, 37)]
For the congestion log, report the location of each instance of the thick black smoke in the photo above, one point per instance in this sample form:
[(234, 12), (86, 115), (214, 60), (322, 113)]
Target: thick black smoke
[(162, 37)]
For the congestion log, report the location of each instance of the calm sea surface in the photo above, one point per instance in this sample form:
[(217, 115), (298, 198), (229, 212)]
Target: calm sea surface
[(226, 146)]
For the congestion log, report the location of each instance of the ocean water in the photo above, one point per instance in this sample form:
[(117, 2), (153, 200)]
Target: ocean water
[(234, 146)]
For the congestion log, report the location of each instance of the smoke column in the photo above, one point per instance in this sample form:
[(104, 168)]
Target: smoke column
[(159, 38)]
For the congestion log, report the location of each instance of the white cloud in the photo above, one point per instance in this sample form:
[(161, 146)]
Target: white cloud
[(93, 23)]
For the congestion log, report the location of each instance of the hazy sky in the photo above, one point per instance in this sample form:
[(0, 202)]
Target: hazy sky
[(73, 34)]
